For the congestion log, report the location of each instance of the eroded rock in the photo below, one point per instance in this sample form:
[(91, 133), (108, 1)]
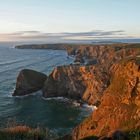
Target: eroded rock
[(119, 108), (29, 81), (77, 82)]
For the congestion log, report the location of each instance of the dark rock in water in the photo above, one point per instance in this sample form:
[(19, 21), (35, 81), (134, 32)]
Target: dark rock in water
[(29, 81)]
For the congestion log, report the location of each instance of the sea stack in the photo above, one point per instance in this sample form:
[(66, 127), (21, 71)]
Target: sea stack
[(29, 81)]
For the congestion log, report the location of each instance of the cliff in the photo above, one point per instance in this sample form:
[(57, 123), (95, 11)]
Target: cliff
[(107, 76), (90, 54), (78, 82), (87, 82), (104, 55), (120, 103)]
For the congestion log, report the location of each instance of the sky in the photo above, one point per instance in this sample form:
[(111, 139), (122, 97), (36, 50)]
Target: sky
[(59, 20)]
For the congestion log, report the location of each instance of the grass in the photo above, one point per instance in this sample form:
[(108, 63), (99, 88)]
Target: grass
[(25, 133), (134, 135), (134, 46), (15, 131), (131, 135)]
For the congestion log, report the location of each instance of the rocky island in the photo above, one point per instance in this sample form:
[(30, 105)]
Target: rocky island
[(107, 76), (29, 81)]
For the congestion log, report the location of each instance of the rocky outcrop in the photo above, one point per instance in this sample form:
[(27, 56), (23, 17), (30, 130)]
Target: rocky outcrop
[(64, 81), (78, 82), (109, 77), (87, 82), (103, 55), (29, 81), (120, 103)]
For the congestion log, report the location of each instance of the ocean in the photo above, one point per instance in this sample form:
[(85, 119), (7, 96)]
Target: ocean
[(58, 115)]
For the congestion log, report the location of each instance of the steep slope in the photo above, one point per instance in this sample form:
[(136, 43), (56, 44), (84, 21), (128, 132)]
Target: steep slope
[(87, 82), (107, 76), (78, 82), (120, 104)]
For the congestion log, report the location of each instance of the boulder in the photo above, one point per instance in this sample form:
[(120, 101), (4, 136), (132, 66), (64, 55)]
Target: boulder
[(29, 81)]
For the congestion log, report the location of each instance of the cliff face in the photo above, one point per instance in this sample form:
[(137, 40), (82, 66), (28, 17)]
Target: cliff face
[(105, 55), (110, 77), (89, 81), (79, 82), (120, 103), (64, 81), (86, 82)]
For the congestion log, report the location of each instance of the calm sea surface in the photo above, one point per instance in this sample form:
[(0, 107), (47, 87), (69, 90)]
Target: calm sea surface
[(32, 110)]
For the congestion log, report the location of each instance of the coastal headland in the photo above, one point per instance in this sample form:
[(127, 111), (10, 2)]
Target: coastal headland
[(106, 76)]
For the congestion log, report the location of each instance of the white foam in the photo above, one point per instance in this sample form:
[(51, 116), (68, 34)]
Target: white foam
[(56, 98), (75, 103), (31, 94), (92, 107)]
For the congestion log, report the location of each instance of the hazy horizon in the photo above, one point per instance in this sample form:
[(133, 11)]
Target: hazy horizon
[(69, 20)]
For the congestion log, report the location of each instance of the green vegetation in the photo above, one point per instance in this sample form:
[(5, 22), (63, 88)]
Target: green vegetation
[(138, 59), (134, 46), (32, 135), (25, 133), (131, 135), (134, 134)]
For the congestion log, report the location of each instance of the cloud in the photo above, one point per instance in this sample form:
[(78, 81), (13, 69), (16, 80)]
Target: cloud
[(62, 37)]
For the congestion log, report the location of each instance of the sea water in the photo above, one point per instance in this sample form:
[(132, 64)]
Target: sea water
[(58, 115)]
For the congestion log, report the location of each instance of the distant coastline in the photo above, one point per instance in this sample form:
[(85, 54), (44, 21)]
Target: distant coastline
[(107, 41), (101, 74)]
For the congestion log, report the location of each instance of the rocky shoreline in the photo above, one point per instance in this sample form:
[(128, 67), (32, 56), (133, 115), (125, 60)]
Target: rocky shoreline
[(107, 76)]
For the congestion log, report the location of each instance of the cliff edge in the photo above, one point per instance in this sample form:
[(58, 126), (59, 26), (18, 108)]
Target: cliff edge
[(120, 103)]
